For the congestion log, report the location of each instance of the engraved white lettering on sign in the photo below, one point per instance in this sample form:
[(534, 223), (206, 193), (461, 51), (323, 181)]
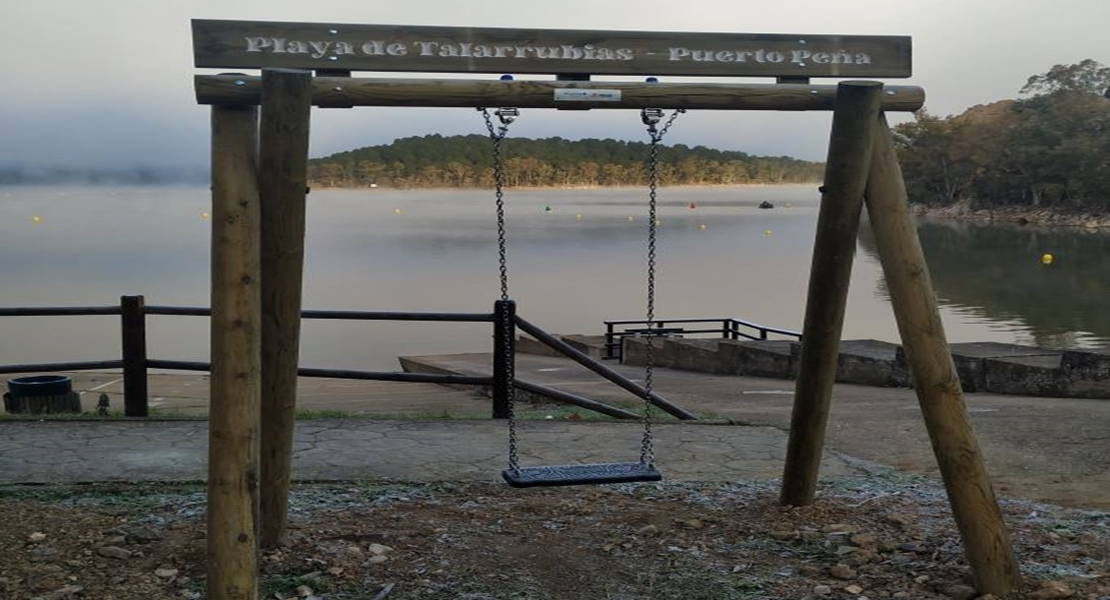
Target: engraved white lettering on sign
[(319, 49), (760, 55), (580, 95), (571, 52)]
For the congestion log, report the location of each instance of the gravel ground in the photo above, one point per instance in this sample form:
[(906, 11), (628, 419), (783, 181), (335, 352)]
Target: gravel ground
[(885, 536)]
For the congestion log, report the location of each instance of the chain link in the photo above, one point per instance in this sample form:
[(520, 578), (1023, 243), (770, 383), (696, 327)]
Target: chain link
[(651, 118), (496, 135)]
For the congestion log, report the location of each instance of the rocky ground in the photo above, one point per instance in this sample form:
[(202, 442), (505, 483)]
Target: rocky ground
[(886, 536)]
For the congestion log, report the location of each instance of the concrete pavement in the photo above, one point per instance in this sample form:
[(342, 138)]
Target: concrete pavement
[(1049, 449)]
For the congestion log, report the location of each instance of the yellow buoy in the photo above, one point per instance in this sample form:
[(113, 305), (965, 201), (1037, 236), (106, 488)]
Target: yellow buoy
[(702, 226), (396, 211), (658, 222), (767, 233), (631, 218), (36, 219), (1047, 259), (578, 216), (205, 216)]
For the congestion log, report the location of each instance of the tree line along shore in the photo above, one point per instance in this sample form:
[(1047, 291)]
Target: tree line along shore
[(1041, 159), (466, 161)]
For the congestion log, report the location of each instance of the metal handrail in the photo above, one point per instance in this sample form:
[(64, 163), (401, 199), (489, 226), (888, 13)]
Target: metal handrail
[(729, 329)]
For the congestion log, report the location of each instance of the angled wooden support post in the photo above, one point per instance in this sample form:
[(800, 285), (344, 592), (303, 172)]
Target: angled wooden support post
[(849, 159), (986, 542), (236, 357), (282, 185), (133, 325)]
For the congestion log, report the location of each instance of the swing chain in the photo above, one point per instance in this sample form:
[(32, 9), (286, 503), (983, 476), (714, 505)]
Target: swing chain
[(651, 118), (506, 116)]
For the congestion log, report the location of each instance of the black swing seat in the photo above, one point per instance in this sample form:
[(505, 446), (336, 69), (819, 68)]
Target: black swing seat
[(557, 475)]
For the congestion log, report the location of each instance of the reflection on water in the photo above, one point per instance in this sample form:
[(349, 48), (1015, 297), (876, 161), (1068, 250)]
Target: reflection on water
[(996, 273), (576, 258)]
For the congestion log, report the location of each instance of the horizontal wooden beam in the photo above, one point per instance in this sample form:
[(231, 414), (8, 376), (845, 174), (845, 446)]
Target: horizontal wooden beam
[(346, 91)]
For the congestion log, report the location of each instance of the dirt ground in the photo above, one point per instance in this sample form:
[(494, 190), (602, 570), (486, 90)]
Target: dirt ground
[(886, 536), (890, 536)]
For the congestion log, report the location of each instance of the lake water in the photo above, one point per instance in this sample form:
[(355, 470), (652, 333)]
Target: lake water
[(576, 258)]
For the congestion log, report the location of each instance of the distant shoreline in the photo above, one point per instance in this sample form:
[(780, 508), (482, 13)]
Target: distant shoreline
[(1018, 215)]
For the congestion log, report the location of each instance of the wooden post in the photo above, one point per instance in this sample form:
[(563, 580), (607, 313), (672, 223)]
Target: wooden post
[(504, 347), (986, 542), (236, 357), (283, 180), (849, 158), (133, 325)]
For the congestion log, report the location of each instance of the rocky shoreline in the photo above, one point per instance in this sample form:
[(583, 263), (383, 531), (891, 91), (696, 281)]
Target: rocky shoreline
[(1021, 215)]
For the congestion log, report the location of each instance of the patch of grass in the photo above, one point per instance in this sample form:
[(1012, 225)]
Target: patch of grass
[(305, 414), (138, 494), (84, 416)]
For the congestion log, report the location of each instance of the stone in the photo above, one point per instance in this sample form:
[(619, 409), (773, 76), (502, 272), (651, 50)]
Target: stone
[(863, 539), (960, 592), (842, 571), (822, 590), (378, 549), (837, 528), (113, 552), (784, 535), (165, 573), (377, 558), (853, 589), (648, 530), (1049, 590), (142, 535), (899, 519), (36, 537), (303, 591)]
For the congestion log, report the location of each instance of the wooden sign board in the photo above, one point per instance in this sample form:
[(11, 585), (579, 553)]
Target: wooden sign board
[(254, 45)]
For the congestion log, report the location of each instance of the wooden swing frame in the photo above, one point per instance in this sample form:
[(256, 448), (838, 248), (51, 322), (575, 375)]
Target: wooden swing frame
[(258, 197)]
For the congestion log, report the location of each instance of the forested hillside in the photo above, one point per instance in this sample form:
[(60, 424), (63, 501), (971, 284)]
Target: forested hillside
[(1050, 150), (467, 161)]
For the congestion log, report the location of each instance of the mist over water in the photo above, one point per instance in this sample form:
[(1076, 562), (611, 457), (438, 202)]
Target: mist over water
[(575, 259)]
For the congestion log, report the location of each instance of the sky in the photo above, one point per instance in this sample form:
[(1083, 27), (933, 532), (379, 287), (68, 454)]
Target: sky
[(108, 83)]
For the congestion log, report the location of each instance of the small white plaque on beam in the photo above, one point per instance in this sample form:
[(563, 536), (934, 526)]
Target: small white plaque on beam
[(586, 95)]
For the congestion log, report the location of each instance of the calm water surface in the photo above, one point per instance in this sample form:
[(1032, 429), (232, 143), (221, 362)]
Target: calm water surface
[(576, 258)]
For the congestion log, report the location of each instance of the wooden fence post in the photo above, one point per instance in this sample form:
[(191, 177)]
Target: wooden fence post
[(849, 158), (233, 420), (133, 325), (504, 346), (978, 517), (283, 180)]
